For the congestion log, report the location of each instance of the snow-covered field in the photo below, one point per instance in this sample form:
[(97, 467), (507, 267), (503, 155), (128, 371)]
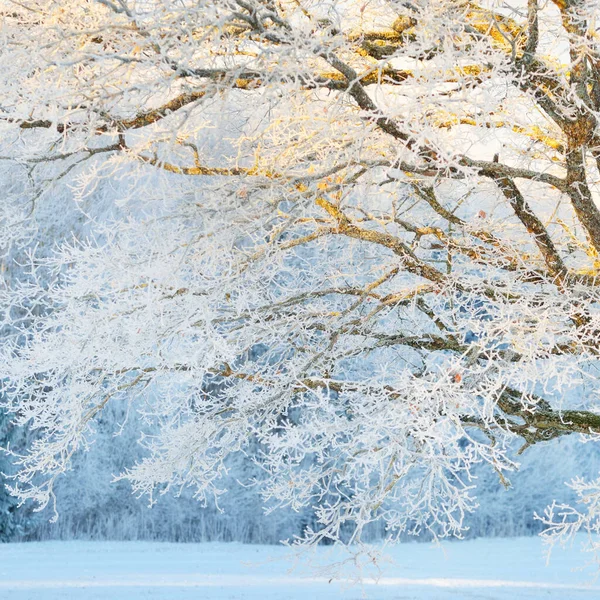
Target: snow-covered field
[(480, 569)]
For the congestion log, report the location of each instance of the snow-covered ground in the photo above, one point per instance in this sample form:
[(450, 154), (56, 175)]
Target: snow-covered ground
[(496, 569)]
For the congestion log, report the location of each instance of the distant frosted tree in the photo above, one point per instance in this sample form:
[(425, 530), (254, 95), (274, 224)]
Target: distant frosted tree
[(15, 520), (8, 503), (373, 226)]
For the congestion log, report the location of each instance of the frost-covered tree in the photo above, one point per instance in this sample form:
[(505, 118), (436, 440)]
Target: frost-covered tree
[(8, 503), (359, 238)]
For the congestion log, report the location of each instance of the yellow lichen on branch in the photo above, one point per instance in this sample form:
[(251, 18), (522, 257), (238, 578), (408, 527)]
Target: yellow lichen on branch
[(535, 132)]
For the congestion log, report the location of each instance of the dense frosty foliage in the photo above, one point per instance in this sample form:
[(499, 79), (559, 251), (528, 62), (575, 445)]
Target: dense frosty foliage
[(92, 507), (345, 251)]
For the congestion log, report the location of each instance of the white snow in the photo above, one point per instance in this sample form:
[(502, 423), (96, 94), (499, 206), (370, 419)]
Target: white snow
[(485, 569)]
